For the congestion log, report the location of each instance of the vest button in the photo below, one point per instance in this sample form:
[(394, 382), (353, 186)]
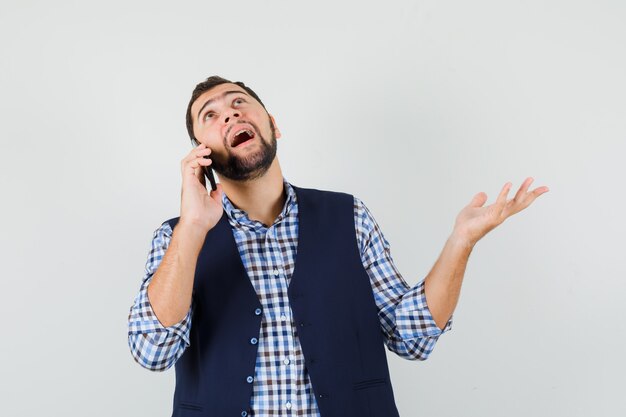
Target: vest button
[(249, 379), (254, 340), (257, 311), (244, 413)]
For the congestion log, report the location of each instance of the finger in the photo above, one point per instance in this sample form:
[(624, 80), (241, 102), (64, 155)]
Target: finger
[(201, 170), (500, 204), (528, 199), (478, 200), (205, 151), (217, 193), (539, 190), (534, 194), (519, 196), (195, 152), (503, 194), (195, 168), (199, 162)]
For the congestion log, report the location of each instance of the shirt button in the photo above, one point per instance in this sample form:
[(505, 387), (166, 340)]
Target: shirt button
[(276, 272), (257, 311), (249, 379), (283, 317), (286, 361), (253, 340), (288, 405)]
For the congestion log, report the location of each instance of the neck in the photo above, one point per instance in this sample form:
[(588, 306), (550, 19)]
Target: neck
[(262, 198)]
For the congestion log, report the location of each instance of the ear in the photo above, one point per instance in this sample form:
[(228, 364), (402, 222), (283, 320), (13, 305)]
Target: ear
[(277, 131)]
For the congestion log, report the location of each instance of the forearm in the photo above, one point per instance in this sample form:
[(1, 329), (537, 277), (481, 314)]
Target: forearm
[(442, 285), (170, 289)]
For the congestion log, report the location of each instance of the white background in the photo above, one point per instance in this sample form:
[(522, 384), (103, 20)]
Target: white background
[(413, 106)]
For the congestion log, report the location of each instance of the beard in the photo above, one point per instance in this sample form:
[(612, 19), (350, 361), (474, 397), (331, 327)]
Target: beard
[(250, 166)]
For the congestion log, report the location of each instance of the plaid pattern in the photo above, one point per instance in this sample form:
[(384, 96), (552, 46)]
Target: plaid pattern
[(281, 380)]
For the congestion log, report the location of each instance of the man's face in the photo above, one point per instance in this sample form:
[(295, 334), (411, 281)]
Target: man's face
[(241, 134)]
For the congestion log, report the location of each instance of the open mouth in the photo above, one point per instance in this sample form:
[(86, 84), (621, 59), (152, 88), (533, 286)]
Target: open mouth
[(242, 137)]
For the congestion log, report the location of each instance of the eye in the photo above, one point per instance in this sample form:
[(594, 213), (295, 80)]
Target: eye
[(209, 114), (239, 99)]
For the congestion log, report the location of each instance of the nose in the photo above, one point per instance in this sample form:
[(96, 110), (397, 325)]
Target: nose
[(227, 119)]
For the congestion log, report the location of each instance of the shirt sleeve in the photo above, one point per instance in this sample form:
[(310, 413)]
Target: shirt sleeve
[(407, 324), (153, 345)]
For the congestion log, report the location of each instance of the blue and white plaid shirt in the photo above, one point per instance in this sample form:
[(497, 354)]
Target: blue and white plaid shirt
[(281, 381)]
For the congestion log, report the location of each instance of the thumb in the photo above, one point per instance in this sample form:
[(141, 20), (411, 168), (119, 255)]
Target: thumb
[(478, 200), (217, 193)]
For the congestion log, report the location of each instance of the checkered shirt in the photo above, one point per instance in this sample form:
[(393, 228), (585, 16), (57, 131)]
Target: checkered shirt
[(281, 380)]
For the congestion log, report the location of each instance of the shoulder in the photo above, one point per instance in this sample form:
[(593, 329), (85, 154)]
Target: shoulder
[(362, 213), (324, 199), (163, 231), (316, 192), (170, 223)]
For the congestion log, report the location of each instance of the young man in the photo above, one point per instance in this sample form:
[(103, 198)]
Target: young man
[(273, 299)]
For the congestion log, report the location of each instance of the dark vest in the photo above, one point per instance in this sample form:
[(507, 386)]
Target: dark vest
[(333, 308)]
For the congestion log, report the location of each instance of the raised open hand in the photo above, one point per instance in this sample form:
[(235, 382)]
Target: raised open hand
[(475, 221)]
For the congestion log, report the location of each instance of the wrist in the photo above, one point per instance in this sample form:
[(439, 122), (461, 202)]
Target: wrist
[(191, 229), (461, 239)]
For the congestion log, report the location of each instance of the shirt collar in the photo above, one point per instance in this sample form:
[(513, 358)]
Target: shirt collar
[(241, 217)]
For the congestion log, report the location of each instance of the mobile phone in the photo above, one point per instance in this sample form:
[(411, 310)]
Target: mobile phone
[(208, 172)]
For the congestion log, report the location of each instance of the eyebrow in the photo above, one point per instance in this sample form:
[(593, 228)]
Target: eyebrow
[(222, 95)]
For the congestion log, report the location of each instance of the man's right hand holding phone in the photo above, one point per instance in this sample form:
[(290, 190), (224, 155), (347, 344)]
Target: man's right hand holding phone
[(170, 289), (199, 207)]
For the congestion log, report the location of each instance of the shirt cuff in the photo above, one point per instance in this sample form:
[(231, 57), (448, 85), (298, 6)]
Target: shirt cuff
[(143, 320), (413, 317)]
